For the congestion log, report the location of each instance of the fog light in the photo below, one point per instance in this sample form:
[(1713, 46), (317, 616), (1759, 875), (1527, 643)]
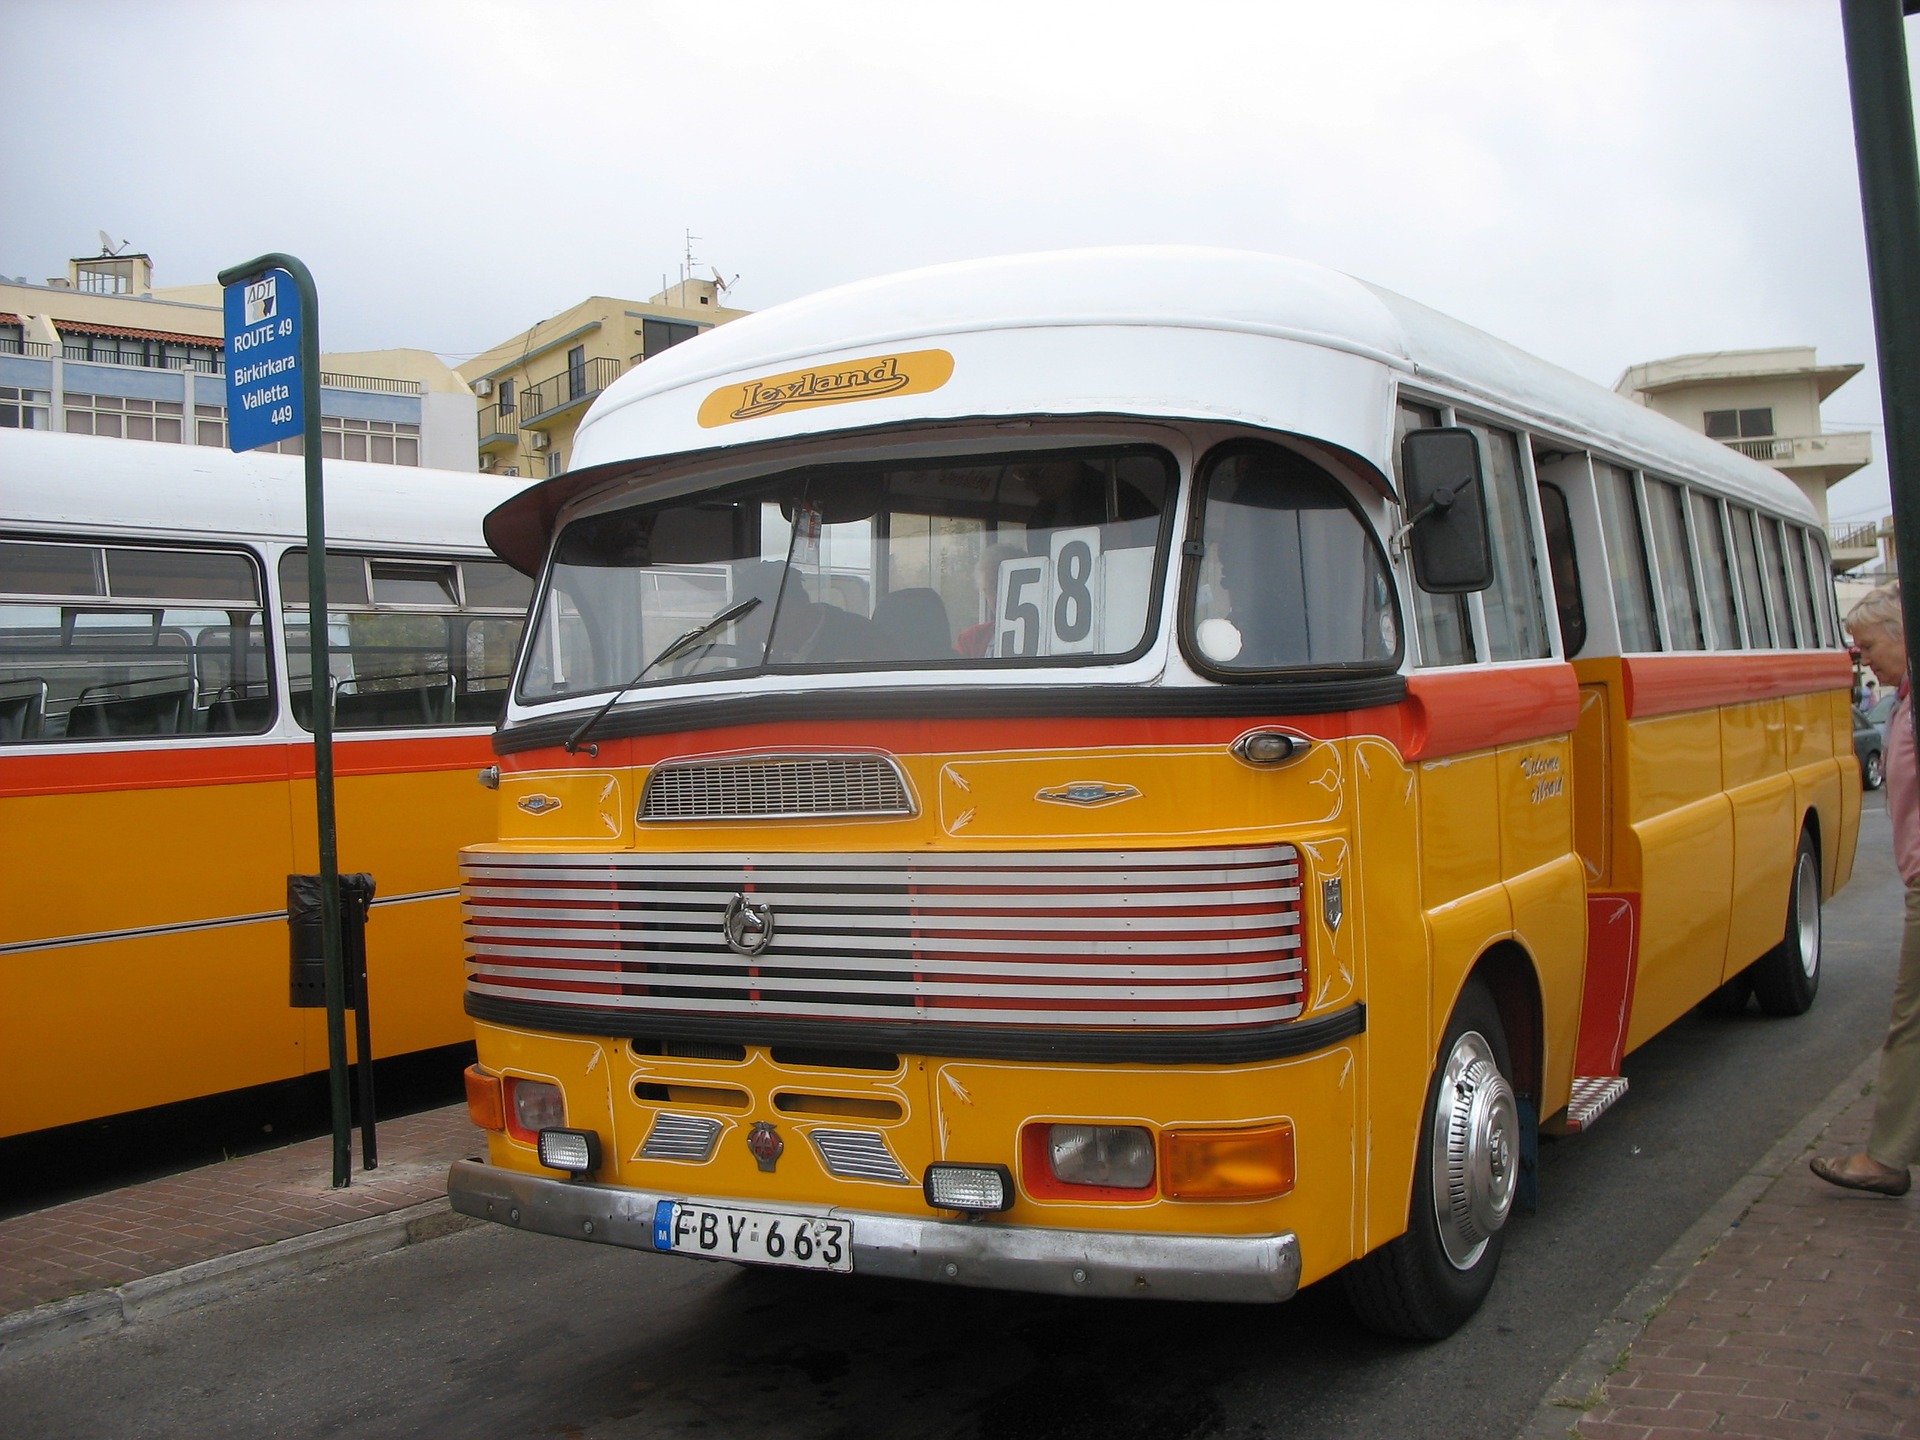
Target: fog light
[(1230, 1164), (575, 1151), (485, 1106), (976, 1189), (533, 1106), (1114, 1157)]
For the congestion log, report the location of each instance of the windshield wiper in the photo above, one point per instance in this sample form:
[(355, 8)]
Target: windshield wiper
[(674, 647)]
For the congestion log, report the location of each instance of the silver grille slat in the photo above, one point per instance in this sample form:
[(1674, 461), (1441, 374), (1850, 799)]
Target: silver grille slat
[(775, 787), (858, 1155), (681, 1137), (1116, 939)]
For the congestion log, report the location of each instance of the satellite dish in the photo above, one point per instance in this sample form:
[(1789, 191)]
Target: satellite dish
[(107, 247)]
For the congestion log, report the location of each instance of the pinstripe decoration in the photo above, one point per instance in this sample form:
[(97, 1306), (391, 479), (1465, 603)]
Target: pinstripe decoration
[(1163, 939)]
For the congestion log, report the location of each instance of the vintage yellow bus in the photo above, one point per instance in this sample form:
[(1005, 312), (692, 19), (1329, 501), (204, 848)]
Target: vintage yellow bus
[(156, 770), (1129, 773)]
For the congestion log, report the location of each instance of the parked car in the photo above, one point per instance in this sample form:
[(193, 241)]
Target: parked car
[(1881, 709), (1867, 744)]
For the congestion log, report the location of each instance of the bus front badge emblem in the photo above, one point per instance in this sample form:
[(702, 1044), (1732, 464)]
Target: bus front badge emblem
[(1330, 902), (765, 1145), (1087, 792), (539, 804), (747, 926)]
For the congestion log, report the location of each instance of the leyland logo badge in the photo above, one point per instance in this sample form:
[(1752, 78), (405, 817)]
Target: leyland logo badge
[(915, 372)]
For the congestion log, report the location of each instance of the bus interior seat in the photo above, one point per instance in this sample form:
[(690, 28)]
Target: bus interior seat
[(23, 708), (237, 714), (916, 621), (162, 705), (479, 707), (413, 705)]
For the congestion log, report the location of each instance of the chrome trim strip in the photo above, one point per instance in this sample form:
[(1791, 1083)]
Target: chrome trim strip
[(857, 1155), (1113, 1265), (187, 927), (681, 1137)]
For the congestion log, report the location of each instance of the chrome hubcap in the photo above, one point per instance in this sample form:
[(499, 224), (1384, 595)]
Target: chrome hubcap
[(1806, 905), (1476, 1150)]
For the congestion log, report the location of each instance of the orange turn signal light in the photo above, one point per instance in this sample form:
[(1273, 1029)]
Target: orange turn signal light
[(486, 1103), (1228, 1164)]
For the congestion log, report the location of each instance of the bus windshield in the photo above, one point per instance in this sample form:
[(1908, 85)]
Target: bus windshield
[(981, 561)]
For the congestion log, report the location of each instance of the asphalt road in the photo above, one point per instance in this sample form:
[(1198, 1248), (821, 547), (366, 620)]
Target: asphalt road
[(493, 1333)]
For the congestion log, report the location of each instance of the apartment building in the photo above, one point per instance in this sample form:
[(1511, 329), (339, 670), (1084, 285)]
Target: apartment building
[(101, 351), (533, 388)]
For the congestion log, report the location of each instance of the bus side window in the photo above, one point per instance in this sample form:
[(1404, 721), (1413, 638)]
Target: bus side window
[(1803, 603), (1716, 572), (1516, 618), (1753, 597), (1446, 633), (1564, 567), (1627, 570), (1675, 559)]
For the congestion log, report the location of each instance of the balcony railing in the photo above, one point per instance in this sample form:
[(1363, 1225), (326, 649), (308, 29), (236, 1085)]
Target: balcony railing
[(1775, 449), (214, 364), (379, 384), (38, 349), (575, 385), (1855, 537), (499, 426)]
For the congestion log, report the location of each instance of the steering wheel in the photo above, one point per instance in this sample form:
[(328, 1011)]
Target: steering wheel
[(703, 657)]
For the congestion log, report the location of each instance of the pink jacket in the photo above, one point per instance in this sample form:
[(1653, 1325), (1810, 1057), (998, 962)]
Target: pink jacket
[(1903, 788)]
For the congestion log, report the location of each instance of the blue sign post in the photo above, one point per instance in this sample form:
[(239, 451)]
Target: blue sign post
[(265, 321), (273, 394)]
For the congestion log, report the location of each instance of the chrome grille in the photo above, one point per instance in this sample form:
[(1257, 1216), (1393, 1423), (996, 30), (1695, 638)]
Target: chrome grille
[(858, 1155), (775, 787), (1166, 939), (681, 1137)]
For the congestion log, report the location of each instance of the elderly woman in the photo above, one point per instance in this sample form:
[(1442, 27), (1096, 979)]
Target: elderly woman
[(1894, 1143)]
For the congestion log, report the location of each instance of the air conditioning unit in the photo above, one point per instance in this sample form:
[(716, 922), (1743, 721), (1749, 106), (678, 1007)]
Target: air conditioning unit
[(483, 387), (541, 440), (486, 463)]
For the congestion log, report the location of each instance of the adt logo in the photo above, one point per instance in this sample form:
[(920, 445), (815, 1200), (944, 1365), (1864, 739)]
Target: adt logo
[(263, 300)]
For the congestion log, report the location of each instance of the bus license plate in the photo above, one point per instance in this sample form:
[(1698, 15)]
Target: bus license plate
[(754, 1237)]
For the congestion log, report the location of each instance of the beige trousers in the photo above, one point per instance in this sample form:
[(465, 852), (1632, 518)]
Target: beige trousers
[(1895, 1139)]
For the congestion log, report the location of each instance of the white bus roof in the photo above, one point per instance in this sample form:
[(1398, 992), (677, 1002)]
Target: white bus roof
[(1161, 331), (89, 484)]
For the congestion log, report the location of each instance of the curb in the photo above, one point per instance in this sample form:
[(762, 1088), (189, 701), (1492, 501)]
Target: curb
[(1560, 1409), (48, 1327)]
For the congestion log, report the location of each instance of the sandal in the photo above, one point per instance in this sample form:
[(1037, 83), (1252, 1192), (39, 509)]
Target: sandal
[(1834, 1172)]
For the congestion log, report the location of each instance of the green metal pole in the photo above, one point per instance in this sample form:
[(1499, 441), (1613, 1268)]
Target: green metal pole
[(321, 669), (1883, 141)]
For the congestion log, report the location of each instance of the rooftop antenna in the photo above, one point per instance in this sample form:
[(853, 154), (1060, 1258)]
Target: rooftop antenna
[(687, 264)]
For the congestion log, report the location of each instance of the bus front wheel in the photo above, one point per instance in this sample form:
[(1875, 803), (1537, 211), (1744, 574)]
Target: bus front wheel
[(1427, 1282), (1787, 977)]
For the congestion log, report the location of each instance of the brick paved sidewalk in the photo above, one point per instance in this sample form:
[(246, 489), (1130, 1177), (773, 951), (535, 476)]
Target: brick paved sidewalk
[(223, 1210), (1802, 1324)]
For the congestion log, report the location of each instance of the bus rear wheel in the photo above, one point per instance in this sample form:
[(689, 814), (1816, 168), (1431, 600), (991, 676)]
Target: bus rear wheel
[(1787, 977), (1426, 1283)]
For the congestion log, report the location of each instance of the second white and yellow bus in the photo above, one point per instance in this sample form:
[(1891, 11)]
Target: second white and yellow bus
[(156, 772)]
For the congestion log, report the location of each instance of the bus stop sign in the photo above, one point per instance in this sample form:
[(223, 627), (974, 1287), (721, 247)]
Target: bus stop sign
[(263, 318)]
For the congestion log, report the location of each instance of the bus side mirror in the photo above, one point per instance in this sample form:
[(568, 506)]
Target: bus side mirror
[(1447, 510)]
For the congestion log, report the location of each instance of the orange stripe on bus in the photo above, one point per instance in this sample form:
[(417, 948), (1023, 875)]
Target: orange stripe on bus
[(1669, 684), (186, 766), (1457, 711)]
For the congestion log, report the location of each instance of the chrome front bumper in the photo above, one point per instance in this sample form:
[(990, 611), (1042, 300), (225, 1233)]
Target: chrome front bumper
[(984, 1253)]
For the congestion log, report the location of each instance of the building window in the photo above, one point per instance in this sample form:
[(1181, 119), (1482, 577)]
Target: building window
[(1740, 424), (658, 335), (381, 442), (25, 409), (126, 419), (505, 391), (576, 372), (210, 425), (556, 464)]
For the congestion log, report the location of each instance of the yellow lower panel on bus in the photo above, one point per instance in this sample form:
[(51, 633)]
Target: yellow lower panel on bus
[(96, 1029)]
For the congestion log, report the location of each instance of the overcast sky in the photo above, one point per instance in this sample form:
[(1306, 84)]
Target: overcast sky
[(1601, 183)]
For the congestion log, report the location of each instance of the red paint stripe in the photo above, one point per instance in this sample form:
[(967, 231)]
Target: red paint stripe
[(1458, 711), (1670, 684), (161, 766)]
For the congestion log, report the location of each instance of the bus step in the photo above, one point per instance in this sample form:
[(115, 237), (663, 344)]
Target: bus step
[(1592, 1095)]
